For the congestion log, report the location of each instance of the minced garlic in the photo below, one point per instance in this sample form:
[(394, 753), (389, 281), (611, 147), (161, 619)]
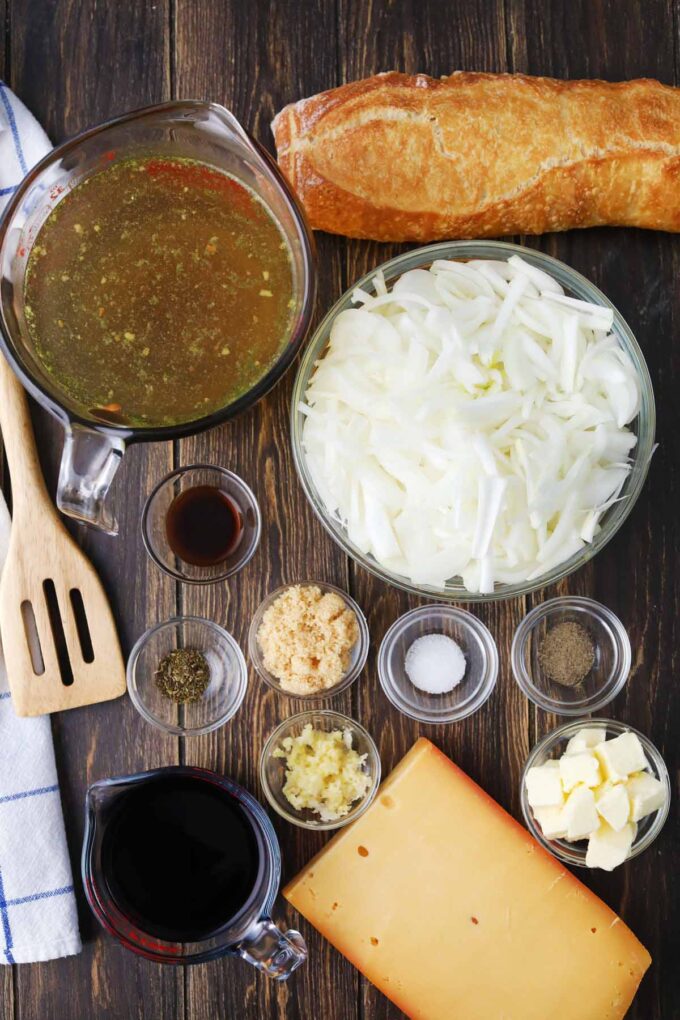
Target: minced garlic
[(323, 772), (306, 638)]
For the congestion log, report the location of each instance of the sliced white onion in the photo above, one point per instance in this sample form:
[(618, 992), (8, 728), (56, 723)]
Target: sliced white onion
[(471, 422)]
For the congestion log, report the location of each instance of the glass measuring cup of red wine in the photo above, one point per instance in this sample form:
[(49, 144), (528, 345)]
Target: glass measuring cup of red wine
[(182, 865), (201, 524)]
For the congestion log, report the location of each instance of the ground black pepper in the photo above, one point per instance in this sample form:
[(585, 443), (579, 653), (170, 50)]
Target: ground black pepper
[(183, 675), (567, 653)]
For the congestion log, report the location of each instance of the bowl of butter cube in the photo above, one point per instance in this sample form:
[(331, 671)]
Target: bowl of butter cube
[(595, 793)]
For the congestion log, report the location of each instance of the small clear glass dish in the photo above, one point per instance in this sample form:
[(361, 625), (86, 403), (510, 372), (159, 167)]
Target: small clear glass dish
[(474, 640), (273, 770), (224, 693), (611, 664), (154, 515), (358, 655), (553, 746)]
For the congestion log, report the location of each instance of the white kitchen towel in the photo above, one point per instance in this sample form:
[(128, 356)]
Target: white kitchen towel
[(38, 918)]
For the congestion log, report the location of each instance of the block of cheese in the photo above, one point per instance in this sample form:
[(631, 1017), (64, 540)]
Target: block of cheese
[(453, 911)]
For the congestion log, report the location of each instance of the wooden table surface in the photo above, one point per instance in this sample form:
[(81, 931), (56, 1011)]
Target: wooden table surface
[(77, 62)]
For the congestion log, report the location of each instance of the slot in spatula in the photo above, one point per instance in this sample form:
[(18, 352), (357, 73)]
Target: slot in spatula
[(58, 633)]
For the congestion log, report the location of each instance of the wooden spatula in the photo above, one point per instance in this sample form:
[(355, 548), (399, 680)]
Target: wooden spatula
[(58, 633)]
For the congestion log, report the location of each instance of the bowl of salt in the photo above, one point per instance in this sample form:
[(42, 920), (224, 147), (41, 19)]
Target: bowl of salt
[(438, 664)]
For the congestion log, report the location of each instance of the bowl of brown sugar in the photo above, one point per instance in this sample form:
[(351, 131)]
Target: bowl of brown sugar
[(571, 655), (308, 640)]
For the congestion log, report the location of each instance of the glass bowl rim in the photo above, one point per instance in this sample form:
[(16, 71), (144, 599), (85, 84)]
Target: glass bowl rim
[(578, 285), (344, 722), (593, 609), (363, 642), (569, 729), (488, 680), (177, 473), (140, 704)]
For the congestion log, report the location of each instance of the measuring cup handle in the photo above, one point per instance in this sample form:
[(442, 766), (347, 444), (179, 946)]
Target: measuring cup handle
[(89, 461), (273, 951)]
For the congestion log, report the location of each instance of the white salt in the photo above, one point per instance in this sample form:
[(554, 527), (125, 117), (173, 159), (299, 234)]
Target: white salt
[(435, 664)]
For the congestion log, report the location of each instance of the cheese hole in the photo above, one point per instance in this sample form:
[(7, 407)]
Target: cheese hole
[(362, 851), (374, 941), (387, 801), (475, 920), (335, 906), (594, 930)]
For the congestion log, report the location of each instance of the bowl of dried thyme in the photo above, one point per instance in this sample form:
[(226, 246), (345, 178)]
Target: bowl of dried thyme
[(571, 655), (186, 676)]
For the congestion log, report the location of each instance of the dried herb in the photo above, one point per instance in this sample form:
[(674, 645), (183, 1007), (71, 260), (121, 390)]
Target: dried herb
[(567, 653), (183, 675)]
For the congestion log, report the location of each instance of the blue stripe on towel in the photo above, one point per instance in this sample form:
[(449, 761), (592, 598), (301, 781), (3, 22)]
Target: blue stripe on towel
[(5, 923), (39, 896), (13, 127), (5, 694), (29, 793)]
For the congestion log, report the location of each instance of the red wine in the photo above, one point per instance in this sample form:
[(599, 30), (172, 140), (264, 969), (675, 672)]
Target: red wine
[(203, 526), (180, 857)]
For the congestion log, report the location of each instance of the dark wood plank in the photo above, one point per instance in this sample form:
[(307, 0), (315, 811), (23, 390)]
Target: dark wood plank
[(636, 575), (492, 745), (75, 65), (255, 58)]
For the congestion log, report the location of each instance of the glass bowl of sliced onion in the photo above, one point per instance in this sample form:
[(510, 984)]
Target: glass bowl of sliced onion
[(472, 420)]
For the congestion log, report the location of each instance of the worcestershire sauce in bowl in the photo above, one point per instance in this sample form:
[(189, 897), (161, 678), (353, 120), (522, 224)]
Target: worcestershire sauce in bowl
[(203, 526), (180, 857)]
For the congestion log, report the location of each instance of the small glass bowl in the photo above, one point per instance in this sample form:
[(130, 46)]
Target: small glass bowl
[(477, 645), (156, 509), (224, 693), (553, 746), (610, 668), (273, 770), (358, 654)]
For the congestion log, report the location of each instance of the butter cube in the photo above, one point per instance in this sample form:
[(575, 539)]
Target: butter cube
[(586, 739), (579, 814), (544, 788), (579, 768), (551, 821), (646, 794), (607, 849), (621, 756), (613, 804)]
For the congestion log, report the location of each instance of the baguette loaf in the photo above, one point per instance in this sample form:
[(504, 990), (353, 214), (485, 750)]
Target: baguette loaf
[(410, 158)]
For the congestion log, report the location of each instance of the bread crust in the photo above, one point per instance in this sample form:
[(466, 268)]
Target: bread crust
[(400, 157)]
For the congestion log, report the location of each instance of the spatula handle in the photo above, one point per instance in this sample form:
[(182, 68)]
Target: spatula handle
[(28, 486)]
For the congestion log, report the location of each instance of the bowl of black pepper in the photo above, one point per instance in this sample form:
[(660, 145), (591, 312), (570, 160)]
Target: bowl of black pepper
[(571, 655), (186, 676)]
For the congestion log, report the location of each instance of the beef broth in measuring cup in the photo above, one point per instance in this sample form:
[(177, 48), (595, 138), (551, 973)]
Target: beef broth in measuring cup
[(158, 291)]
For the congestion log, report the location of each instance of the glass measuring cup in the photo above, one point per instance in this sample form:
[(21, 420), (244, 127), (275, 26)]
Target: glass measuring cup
[(249, 934), (202, 131)]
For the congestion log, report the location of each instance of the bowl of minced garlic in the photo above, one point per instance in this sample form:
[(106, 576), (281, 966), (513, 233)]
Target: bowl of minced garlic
[(320, 769), (308, 640)]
